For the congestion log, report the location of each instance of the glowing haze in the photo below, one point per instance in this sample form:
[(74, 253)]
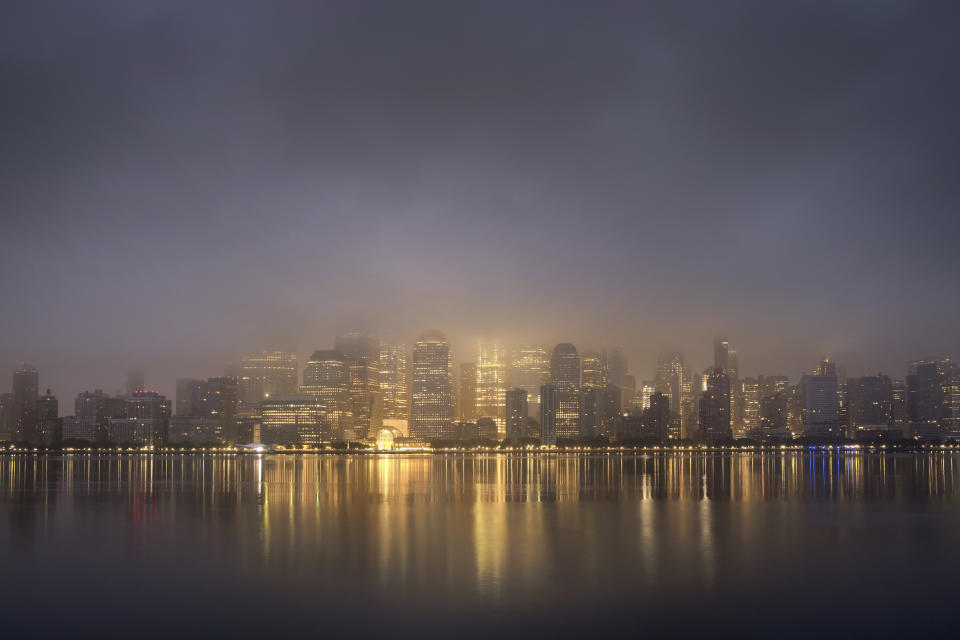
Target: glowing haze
[(182, 182)]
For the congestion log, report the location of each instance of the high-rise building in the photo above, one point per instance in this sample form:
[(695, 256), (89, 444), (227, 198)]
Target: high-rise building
[(529, 370), (751, 397), (49, 425), (394, 386), (773, 412), (468, 392), (361, 352), (135, 381), (656, 417), (930, 398), (326, 376), (672, 379), (592, 373), (26, 392), (714, 414), (870, 407), (614, 364), (219, 404), (145, 422), (189, 392), (431, 410), (294, 420), (8, 417), (721, 354), (599, 410), (492, 383), (266, 373), (821, 403), (517, 414), (565, 380), (549, 400), (92, 415)]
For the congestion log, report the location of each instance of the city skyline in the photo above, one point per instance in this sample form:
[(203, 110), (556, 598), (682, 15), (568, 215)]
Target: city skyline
[(198, 185)]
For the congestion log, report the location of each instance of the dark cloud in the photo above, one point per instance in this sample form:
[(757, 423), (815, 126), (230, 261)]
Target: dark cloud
[(180, 181)]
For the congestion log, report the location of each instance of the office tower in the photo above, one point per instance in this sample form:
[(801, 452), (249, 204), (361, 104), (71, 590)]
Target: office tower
[(193, 430), (145, 422), (751, 396), (773, 412), (431, 410), (326, 376), (468, 392), (646, 391), (821, 405), (672, 379), (565, 380), (266, 373), (361, 352), (656, 417), (714, 414), (92, 414), (219, 404), (517, 414), (721, 354), (898, 406), (930, 401), (26, 392), (529, 369), (870, 407), (49, 426), (188, 393), (492, 383), (627, 392), (394, 387), (549, 400), (8, 418), (294, 420), (599, 410), (135, 381), (614, 364), (591, 370)]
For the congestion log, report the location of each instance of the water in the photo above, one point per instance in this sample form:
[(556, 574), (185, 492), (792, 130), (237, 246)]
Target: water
[(429, 546)]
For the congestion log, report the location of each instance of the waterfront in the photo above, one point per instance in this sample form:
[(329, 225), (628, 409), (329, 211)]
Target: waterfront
[(436, 544)]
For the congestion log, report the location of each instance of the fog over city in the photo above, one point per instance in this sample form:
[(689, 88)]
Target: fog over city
[(183, 182)]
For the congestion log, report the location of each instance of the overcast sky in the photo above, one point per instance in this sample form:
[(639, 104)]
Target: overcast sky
[(183, 181)]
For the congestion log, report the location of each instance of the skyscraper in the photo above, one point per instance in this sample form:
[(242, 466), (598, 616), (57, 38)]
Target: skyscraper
[(529, 369), (325, 376), (394, 386), (92, 414), (492, 383), (468, 392), (361, 353), (821, 404), (189, 392), (8, 418), (26, 392), (145, 422), (592, 373), (565, 381), (49, 426), (599, 410), (672, 379), (517, 413), (267, 373), (614, 364), (870, 407), (721, 354), (930, 398), (714, 416), (431, 411)]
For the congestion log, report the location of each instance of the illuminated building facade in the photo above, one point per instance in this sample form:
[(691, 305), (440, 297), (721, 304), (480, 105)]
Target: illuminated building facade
[(565, 382), (599, 411), (431, 409), (92, 413), (361, 353), (394, 385), (672, 379), (592, 373), (294, 420), (266, 373), (932, 401), (492, 384), (145, 421), (870, 407), (326, 376)]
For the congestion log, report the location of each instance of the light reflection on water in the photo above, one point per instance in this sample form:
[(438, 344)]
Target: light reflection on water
[(534, 535)]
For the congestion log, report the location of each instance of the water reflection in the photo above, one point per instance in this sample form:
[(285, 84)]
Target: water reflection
[(518, 531)]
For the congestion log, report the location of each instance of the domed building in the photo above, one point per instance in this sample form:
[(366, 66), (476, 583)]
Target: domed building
[(387, 438)]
